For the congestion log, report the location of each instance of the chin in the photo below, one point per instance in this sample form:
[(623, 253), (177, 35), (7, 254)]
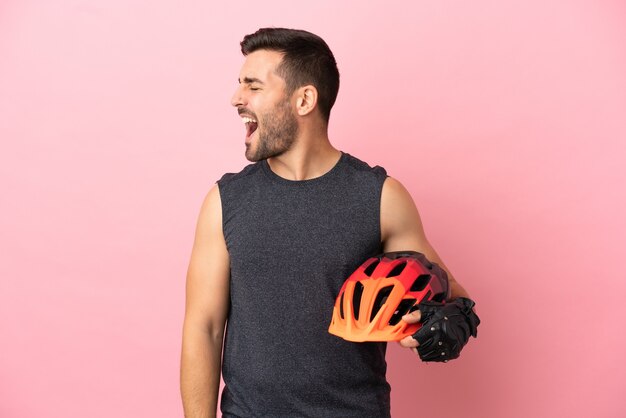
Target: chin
[(250, 156)]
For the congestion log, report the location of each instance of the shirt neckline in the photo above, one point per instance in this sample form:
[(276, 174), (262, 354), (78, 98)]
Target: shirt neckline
[(275, 177)]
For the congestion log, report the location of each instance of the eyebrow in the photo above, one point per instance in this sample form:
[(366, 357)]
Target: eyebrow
[(250, 80)]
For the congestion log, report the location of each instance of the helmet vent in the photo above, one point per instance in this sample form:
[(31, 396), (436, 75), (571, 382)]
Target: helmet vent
[(381, 298), (420, 283), (403, 308), (397, 269), (439, 297), (370, 269), (356, 299), (425, 298), (341, 306)]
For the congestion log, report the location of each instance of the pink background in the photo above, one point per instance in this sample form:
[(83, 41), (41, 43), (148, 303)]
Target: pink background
[(506, 120)]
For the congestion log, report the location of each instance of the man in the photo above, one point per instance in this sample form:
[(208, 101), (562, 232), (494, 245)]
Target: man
[(274, 244)]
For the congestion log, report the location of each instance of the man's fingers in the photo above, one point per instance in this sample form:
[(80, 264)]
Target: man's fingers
[(408, 342), (412, 317)]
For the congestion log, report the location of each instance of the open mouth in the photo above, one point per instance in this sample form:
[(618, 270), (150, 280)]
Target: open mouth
[(251, 125)]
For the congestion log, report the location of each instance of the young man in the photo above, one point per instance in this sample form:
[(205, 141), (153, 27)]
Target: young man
[(274, 244)]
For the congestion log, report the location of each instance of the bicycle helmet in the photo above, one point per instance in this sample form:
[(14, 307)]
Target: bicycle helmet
[(372, 301)]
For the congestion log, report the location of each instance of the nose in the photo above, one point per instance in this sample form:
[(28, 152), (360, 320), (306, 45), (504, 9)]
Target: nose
[(238, 98)]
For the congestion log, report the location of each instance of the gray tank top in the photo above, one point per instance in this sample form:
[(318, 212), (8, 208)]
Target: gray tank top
[(292, 244)]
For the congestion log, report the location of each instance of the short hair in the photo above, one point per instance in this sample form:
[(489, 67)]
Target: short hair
[(307, 59)]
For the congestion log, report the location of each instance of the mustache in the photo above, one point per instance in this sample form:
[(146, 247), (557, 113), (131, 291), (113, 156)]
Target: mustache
[(244, 111)]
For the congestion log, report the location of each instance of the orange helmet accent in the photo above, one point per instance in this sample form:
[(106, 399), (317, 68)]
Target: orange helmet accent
[(372, 301)]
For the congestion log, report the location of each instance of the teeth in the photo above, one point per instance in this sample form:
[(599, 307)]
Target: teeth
[(246, 119)]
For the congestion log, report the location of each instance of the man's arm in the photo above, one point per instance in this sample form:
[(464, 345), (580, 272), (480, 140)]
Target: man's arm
[(401, 229), (206, 310)]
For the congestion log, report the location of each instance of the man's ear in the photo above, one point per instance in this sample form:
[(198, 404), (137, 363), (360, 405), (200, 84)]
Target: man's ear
[(306, 99)]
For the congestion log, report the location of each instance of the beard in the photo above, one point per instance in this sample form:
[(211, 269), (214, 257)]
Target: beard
[(276, 133)]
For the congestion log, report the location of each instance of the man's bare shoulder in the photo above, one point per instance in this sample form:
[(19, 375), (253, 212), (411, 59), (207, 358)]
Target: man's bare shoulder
[(400, 222), (396, 200), (211, 209)]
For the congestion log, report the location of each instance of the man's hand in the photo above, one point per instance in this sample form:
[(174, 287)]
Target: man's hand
[(445, 331), (410, 342)]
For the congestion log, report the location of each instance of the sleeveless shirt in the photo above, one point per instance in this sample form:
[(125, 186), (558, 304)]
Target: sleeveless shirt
[(291, 245)]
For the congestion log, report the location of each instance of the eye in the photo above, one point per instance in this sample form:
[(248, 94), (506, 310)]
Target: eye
[(254, 88)]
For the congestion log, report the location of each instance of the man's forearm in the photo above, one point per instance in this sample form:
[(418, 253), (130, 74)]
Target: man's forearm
[(457, 290), (200, 368)]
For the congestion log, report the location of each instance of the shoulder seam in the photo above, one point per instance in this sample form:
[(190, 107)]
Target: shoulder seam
[(248, 170)]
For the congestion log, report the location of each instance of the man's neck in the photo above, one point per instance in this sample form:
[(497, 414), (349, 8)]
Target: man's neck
[(307, 159)]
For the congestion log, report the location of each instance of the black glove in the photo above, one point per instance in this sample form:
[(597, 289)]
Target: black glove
[(446, 328)]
